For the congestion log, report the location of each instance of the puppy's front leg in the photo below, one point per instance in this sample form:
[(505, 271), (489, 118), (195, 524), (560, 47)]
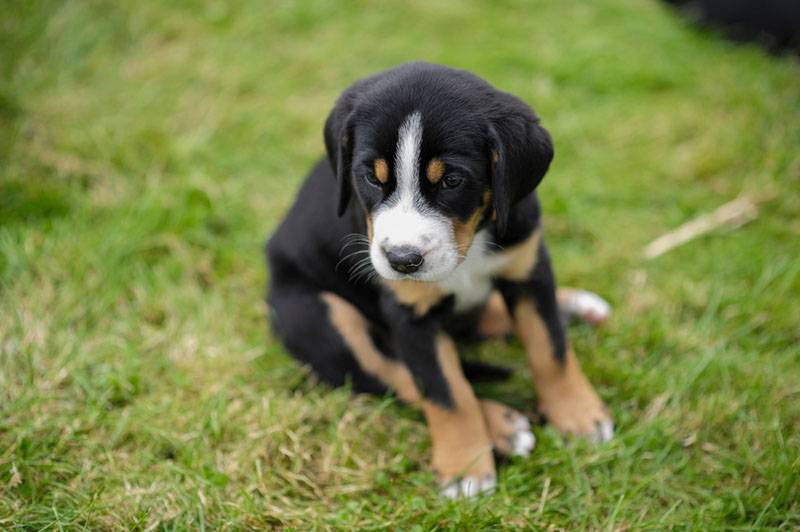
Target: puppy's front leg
[(462, 449), (566, 397)]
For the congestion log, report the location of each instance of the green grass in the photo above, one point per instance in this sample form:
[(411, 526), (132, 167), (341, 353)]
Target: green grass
[(148, 148)]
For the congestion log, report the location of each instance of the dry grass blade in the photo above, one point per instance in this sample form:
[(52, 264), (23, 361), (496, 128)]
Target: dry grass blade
[(734, 213)]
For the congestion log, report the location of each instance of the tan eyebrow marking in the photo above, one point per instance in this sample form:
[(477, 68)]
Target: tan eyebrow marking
[(435, 170), (381, 170)]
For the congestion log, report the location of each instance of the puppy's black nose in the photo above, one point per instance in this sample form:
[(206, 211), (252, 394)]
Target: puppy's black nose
[(404, 259)]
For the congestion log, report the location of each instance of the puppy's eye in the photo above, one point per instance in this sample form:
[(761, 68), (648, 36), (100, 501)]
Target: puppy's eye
[(451, 181), (371, 179)]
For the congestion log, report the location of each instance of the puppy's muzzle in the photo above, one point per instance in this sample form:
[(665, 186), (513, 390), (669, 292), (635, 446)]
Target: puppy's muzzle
[(404, 259)]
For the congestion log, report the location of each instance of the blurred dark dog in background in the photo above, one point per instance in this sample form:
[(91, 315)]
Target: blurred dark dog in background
[(772, 23)]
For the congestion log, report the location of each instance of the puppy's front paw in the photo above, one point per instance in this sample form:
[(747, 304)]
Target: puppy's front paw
[(575, 409), (465, 471), (510, 430)]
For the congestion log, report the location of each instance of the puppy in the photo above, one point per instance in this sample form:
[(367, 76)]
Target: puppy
[(419, 228)]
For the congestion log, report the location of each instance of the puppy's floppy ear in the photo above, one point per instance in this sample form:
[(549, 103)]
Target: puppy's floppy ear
[(521, 152), (338, 143)]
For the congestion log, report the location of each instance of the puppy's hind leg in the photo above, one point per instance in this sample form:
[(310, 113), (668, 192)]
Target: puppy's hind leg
[(495, 320), (574, 305), (353, 328), (301, 317)]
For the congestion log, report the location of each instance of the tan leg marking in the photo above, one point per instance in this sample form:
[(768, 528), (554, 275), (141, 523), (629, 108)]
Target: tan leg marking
[(461, 443), (381, 170), (352, 326), (509, 430), (462, 448), (565, 395), (522, 258), (495, 321)]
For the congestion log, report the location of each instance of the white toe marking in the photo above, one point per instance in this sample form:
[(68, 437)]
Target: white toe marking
[(606, 430), (521, 423), (523, 443), (451, 491), (470, 487)]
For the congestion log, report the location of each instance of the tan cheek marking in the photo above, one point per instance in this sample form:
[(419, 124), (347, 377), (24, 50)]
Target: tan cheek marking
[(464, 232), (369, 227), (352, 326), (435, 170), (421, 296), (381, 170), (522, 258), (461, 443)]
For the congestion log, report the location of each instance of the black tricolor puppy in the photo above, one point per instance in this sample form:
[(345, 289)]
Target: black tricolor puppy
[(421, 226)]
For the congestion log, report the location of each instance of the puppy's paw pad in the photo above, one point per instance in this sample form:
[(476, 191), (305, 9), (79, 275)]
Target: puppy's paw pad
[(470, 487)]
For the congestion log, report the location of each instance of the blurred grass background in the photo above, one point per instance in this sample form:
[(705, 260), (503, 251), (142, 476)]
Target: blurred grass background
[(146, 151)]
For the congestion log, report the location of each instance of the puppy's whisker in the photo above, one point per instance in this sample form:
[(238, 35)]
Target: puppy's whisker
[(364, 272), (359, 267), (353, 243), (350, 244), (353, 235), (355, 240), (348, 256), (356, 273)]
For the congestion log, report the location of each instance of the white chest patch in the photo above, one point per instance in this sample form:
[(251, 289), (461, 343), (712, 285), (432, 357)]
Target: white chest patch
[(471, 281)]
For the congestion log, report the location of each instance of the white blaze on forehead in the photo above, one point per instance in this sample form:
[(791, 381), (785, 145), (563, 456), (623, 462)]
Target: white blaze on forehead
[(405, 220), (406, 159)]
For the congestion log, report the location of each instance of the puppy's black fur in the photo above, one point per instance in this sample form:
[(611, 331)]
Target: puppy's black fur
[(437, 157), (465, 118)]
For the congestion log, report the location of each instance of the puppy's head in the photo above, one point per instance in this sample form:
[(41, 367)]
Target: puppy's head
[(430, 154)]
